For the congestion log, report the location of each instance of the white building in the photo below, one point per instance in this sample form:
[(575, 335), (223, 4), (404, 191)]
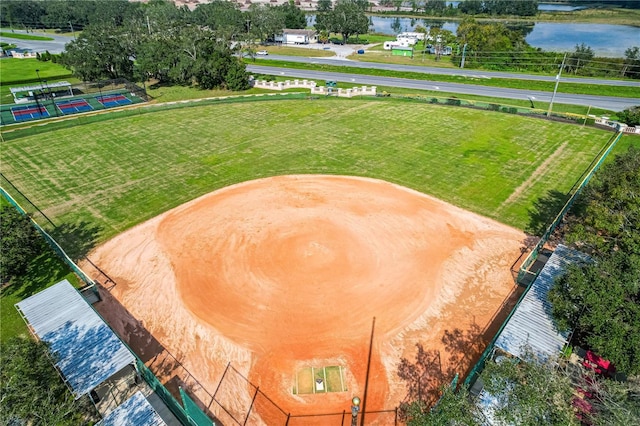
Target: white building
[(297, 37)]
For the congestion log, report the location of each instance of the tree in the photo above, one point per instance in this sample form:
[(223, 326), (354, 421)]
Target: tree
[(31, 390), (600, 301), (347, 18), (528, 392), (265, 21), (615, 403), (579, 58), (453, 408), (632, 62), (630, 116), (19, 241), (294, 17), (484, 40), (606, 216), (224, 18), (323, 18), (100, 52)]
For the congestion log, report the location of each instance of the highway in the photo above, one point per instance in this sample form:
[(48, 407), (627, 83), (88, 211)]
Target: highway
[(605, 102), (448, 71)]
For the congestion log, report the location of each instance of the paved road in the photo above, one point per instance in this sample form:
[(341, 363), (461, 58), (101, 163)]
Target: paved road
[(340, 61), (53, 46), (605, 102)]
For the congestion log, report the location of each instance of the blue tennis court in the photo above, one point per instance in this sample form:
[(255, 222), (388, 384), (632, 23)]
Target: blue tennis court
[(73, 106), (113, 100), (30, 112)]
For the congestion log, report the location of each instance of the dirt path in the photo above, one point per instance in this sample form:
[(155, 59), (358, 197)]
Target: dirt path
[(284, 272)]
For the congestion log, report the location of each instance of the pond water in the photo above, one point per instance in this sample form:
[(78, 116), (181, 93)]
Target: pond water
[(541, 6), (605, 39)]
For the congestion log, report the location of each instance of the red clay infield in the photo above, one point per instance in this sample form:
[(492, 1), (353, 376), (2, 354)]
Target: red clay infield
[(286, 272)]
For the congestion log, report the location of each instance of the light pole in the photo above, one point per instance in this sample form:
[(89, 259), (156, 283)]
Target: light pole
[(40, 80), (556, 88), (355, 408), (531, 99), (42, 91)]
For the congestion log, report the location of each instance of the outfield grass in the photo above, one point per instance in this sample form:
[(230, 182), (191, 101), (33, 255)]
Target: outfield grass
[(117, 172)]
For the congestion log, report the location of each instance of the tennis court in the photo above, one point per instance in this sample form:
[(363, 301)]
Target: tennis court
[(110, 101), (73, 106), (29, 112)]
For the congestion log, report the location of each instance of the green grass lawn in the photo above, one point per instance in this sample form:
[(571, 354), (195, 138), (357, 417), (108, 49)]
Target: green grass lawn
[(43, 271), (108, 176), (22, 72), (295, 51), (22, 36)]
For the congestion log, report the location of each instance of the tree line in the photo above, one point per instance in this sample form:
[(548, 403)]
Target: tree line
[(153, 39)]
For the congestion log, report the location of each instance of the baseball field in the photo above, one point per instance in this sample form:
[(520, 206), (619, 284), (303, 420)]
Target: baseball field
[(269, 235)]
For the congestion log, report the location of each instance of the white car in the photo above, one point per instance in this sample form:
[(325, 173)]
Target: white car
[(262, 52)]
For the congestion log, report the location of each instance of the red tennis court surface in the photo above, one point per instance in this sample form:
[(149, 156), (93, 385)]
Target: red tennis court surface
[(74, 106), (110, 101)]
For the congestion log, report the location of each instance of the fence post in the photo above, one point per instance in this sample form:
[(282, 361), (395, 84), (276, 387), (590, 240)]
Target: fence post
[(251, 406)]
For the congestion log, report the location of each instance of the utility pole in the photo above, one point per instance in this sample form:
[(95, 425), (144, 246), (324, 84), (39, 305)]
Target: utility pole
[(556, 88), (148, 25), (464, 51)]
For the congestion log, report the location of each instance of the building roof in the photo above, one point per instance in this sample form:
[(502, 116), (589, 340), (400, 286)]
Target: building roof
[(135, 411), (15, 90), (299, 32), (531, 323), (87, 351)]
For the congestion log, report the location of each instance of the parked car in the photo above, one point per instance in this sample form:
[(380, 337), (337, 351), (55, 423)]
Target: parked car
[(262, 52)]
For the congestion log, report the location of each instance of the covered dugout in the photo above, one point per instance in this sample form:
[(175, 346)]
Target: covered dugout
[(57, 89), (87, 352)]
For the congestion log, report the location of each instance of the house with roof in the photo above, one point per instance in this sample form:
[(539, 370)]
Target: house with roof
[(293, 36)]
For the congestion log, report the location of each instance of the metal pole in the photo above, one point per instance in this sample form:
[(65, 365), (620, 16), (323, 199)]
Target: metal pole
[(464, 51), (556, 88)]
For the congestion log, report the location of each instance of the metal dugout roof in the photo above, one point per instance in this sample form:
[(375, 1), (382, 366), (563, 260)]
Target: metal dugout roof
[(135, 411), (532, 324), (87, 351)]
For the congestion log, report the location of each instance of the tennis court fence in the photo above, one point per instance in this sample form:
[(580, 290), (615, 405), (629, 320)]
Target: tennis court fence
[(51, 102)]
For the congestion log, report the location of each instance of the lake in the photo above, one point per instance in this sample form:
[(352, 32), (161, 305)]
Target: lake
[(549, 7), (605, 39)]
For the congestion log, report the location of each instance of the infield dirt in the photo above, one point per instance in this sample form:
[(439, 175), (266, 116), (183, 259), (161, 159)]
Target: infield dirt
[(277, 274)]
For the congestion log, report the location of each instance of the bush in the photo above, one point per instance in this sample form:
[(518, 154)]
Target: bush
[(454, 101), (494, 107), (630, 116), (434, 100)]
